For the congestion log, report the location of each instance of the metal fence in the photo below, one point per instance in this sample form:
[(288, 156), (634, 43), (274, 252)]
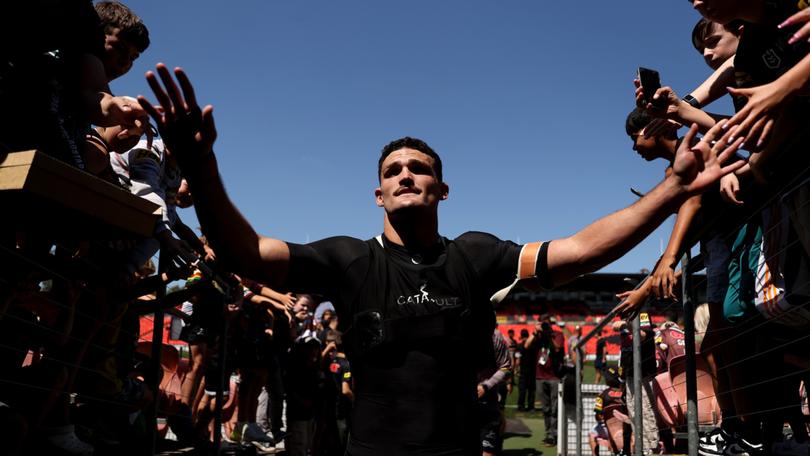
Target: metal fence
[(566, 417)]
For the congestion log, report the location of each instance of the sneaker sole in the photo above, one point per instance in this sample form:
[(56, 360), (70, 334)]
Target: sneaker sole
[(261, 449), (742, 452), (703, 452)]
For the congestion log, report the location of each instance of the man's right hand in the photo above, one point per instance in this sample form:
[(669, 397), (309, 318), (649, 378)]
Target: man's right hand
[(188, 131)]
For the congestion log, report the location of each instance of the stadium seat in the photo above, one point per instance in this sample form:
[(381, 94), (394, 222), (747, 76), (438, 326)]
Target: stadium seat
[(666, 400), (614, 421), (32, 358), (708, 408), (170, 384)]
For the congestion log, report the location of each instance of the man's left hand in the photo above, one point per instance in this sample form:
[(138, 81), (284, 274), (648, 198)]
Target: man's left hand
[(699, 164), (187, 130)]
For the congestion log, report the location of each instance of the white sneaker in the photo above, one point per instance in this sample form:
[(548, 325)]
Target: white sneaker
[(235, 436), (66, 440), (790, 447), (714, 442), (266, 448), (280, 445), (252, 432)]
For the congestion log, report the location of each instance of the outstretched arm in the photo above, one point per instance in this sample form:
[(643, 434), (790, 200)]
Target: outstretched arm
[(190, 132), (714, 87), (696, 167), (766, 104), (187, 234), (663, 278)]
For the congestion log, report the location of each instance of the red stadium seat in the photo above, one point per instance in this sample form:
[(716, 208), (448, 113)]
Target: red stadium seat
[(171, 383), (708, 408), (666, 399), (614, 421)]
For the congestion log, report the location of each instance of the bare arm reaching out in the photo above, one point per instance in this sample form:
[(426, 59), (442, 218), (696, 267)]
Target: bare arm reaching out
[(696, 167), (190, 132)]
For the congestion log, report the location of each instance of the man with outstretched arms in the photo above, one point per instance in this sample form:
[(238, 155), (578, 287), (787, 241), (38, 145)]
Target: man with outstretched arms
[(414, 306)]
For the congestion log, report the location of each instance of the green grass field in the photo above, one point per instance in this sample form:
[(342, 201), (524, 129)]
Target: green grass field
[(527, 446)]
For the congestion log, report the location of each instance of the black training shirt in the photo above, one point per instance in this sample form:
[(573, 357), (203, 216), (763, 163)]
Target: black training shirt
[(417, 325)]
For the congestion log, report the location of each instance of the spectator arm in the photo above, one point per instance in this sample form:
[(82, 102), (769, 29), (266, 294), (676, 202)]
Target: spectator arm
[(239, 248), (714, 87)]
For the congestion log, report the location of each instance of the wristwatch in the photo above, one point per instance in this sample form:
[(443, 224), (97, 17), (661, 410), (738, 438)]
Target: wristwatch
[(692, 101)]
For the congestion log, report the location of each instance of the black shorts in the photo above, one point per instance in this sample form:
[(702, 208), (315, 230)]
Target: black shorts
[(212, 379), (194, 334), (490, 422)]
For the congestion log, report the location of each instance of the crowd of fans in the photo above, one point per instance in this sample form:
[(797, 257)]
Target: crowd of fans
[(751, 228), (74, 378)]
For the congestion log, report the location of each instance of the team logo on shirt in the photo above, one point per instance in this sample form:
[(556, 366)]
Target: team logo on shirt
[(145, 154), (771, 59), (424, 297)]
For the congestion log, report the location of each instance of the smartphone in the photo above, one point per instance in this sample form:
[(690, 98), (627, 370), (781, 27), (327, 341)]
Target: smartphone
[(650, 82)]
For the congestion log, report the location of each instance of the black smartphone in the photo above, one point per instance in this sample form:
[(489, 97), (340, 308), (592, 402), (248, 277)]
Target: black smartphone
[(650, 82)]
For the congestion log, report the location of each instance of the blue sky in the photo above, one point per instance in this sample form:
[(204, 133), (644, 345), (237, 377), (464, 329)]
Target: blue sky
[(525, 101)]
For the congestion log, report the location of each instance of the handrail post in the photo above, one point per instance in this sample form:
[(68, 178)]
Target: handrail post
[(638, 422), (562, 421), (222, 382), (691, 364), (157, 352), (578, 383)]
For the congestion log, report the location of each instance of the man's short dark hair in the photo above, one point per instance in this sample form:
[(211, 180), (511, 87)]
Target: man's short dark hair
[(636, 121), (704, 28), (411, 143), (116, 15)]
